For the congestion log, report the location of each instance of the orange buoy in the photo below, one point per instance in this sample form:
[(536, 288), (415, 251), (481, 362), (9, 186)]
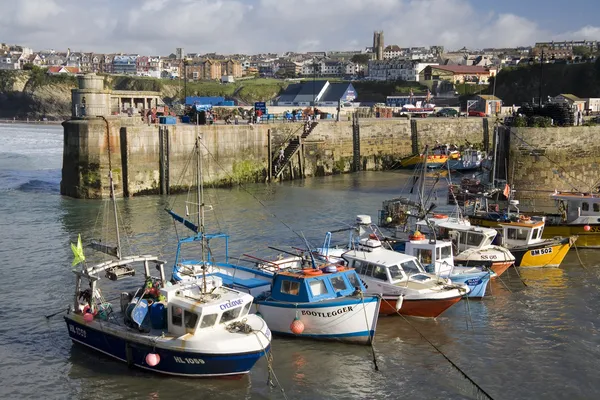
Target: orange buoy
[(312, 271), (416, 236), (297, 326), (341, 268)]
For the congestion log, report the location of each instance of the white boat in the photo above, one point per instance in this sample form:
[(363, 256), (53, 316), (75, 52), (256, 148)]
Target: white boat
[(436, 256), (472, 245), (405, 286), (191, 329)]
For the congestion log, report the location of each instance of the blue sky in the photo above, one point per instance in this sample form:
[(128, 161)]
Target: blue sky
[(257, 26)]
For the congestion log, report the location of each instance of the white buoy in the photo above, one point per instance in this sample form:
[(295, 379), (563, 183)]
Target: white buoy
[(399, 302)]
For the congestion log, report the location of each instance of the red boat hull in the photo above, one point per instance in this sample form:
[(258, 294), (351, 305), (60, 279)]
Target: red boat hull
[(500, 267), (427, 308)]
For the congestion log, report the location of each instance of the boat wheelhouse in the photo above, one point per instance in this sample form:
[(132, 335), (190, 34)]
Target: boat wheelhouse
[(436, 256), (472, 245)]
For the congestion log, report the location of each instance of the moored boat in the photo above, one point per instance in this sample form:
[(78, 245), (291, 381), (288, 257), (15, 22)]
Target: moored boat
[(578, 215), (193, 329), (438, 157)]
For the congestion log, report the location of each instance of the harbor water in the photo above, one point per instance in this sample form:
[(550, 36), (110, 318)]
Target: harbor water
[(537, 340)]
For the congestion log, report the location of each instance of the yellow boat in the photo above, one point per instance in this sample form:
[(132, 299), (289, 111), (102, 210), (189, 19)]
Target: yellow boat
[(579, 215), (438, 157), (524, 239)]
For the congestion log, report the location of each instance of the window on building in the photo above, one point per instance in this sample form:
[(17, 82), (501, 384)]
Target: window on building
[(317, 287), (585, 206), (190, 319), (596, 207), (208, 321), (176, 315), (338, 283), (230, 315), (290, 287)]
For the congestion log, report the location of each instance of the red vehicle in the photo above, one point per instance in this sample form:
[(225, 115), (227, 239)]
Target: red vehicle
[(477, 114)]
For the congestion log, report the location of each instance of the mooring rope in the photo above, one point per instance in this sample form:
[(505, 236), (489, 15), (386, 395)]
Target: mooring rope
[(464, 374)]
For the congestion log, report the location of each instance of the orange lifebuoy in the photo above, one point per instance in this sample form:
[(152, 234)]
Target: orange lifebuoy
[(524, 218), (312, 271), (341, 268), (440, 216)]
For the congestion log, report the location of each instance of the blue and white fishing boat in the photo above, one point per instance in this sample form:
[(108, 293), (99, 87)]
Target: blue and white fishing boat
[(298, 297), (470, 159), (199, 328)]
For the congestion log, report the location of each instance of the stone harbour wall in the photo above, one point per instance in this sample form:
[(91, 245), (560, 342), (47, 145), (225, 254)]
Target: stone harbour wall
[(150, 159), (561, 158)]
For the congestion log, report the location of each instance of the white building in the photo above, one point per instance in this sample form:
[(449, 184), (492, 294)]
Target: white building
[(395, 69), (392, 51)]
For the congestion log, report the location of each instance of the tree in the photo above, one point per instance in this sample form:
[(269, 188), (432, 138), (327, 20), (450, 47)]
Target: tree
[(362, 59), (581, 51)]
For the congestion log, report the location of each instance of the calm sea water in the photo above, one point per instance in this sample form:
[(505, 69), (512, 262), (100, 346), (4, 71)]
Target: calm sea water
[(538, 341)]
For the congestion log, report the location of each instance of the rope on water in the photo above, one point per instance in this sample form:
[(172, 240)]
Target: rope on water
[(464, 374), (371, 337), (578, 257), (243, 327)]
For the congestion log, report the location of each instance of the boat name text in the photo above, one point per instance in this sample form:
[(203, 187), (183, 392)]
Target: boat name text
[(489, 257), (339, 311), (232, 304), (77, 330), (539, 252), (186, 360)]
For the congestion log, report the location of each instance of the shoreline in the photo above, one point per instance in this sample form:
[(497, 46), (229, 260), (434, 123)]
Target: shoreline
[(32, 122)]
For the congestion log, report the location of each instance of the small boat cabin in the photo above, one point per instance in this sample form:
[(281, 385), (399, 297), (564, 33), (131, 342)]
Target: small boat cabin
[(578, 208), (190, 309), (526, 231), (435, 255), (313, 284), (374, 262), (465, 236)]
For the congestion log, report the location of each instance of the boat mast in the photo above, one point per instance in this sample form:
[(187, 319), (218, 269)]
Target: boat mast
[(114, 201), (200, 190)]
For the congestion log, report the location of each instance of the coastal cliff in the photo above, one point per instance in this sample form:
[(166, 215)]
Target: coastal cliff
[(35, 95)]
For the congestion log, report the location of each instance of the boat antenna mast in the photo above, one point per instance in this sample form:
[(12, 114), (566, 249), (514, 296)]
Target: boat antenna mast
[(200, 193), (114, 201)]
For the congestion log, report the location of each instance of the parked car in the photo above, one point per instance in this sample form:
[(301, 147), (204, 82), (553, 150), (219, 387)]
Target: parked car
[(446, 112), (477, 114)]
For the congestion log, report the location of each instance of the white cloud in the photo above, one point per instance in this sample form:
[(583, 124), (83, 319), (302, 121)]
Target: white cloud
[(251, 26)]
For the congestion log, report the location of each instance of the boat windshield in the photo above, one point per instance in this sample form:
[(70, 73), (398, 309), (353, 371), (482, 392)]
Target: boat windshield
[(395, 273), (411, 267)]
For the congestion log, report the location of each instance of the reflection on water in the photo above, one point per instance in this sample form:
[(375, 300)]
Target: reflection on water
[(522, 342)]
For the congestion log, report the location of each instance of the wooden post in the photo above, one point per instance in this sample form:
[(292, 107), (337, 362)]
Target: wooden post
[(301, 158), (269, 157)]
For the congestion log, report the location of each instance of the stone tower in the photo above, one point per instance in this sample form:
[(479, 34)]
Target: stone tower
[(90, 99), (378, 44)]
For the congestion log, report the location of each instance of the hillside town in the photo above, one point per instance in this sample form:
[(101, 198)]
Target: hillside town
[(378, 62)]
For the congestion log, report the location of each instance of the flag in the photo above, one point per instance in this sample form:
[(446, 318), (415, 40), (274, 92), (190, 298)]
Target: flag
[(506, 192), (78, 255)]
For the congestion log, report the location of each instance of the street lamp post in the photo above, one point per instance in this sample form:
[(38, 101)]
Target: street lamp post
[(541, 75)]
